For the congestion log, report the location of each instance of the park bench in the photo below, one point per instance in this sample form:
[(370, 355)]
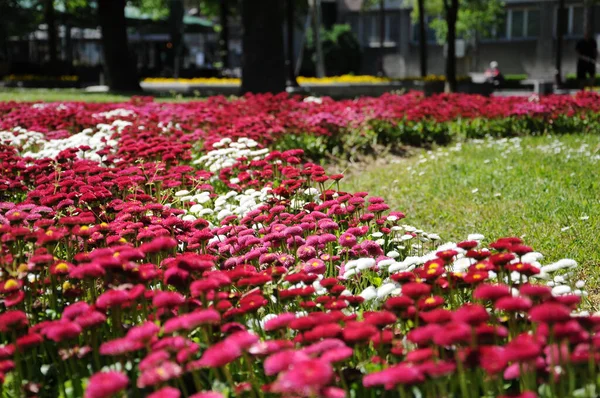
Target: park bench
[(540, 86)]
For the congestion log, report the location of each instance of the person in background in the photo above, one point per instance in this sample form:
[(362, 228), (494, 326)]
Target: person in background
[(493, 74), (587, 53)]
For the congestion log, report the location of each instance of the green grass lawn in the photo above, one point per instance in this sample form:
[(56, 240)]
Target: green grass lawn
[(543, 189), (56, 95)]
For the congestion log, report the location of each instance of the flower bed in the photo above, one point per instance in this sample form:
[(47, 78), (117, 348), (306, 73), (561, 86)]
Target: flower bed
[(136, 261), (321, 125)]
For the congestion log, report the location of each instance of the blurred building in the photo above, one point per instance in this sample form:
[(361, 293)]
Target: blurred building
[(524, 41), (80, 48)]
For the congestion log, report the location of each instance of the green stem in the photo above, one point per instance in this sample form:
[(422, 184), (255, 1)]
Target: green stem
[(465, 393), (18, 382)]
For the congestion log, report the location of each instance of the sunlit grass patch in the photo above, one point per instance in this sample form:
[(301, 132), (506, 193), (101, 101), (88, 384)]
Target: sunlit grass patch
[(544, 189)]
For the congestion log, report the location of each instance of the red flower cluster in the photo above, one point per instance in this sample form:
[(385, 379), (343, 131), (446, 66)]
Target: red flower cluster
[(154, 269)]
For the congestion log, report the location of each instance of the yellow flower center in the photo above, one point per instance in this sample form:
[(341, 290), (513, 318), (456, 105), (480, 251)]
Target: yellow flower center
[(430, 300), (477, 277), (11, 284), (116, 254), (66, 286), (16, 214), (431, 272), (480, 266), (84, 228), (122, 240), (62, 267), (49, 232), (315, 264)]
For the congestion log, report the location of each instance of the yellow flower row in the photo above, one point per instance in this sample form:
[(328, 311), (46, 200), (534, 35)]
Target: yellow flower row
[(347, 79), (344, 79)]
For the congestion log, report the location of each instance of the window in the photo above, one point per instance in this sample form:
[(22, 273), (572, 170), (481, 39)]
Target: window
[(517, 26), (522, 23), (372, 23), (573, 20), (500, 31), (533, 23), (355, 22), (596, 19), (392, 27), (430, 32), (576, 21), (367, 29)]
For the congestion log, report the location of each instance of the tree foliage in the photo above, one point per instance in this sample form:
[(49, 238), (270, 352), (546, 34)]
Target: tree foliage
[(476, 18), (341, 51)]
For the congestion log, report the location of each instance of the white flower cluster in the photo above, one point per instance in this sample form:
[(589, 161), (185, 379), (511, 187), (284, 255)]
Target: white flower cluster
[(225, 154), (216, 209), (228, 151), (313, 100), (404, 238), (24, 140), (43, 105), (119, 112), (166, 127), (561, 283), (35, 145)]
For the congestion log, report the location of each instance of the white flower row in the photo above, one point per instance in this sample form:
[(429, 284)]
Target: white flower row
[(35, 144), (228, 152)]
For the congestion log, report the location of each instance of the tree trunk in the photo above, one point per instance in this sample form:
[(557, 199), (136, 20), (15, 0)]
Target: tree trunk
[(224, 35), (451, 16), (3, 44), (176, 12), (559, 40), (381, 69), (68, 45), (263, 63), (50, 20), (118, 64), (316, 20), (422, 38), (289, 62)]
